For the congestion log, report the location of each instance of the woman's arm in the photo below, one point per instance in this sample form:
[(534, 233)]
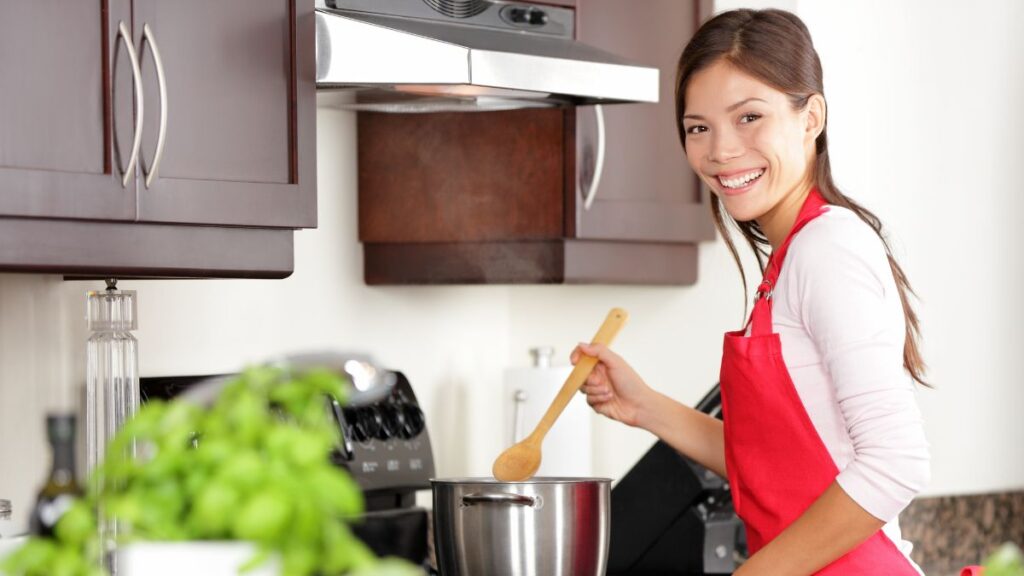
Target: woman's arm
[(690, 432), (615, 390), (832, 526)]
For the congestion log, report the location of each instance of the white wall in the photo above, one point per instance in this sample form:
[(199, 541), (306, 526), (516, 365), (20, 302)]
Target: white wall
[(925, 135)]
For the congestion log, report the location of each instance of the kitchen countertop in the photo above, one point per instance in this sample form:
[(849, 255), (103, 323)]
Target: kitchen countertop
[(950, 532)]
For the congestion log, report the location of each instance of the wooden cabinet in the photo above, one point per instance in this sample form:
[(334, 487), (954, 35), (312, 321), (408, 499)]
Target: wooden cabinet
[(238, 149), (63, 80), (221, 100), (498, 197), (646, 190)]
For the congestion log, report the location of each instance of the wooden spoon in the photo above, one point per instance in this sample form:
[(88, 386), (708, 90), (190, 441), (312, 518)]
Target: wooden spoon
[(521, 461)]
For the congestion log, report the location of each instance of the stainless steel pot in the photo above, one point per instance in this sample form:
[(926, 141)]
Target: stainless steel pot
[(540, 527)]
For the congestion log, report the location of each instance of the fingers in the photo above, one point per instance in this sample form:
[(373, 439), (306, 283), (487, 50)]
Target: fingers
[(597, 384), (599, 389), (599, 351), (598, 397), (597, 377)]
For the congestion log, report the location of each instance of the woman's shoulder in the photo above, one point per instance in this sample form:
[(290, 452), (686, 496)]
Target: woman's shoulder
[(838, 239)]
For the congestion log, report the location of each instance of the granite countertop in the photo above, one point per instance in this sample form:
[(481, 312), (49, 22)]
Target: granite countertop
[(950, 532)]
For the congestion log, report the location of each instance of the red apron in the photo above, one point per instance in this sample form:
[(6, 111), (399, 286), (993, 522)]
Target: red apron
[(777, 463)]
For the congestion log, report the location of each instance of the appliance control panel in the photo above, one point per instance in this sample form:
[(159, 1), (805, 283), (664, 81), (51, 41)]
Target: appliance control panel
[(384, 444)]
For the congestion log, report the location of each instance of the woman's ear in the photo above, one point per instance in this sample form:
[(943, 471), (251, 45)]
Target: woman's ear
[(816, 115)]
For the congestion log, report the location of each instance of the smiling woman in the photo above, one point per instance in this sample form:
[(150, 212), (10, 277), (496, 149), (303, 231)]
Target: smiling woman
[(757, 75), (822, 439)]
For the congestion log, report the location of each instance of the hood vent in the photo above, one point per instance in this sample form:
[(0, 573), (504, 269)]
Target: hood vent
[(458, 8), (466, 55)]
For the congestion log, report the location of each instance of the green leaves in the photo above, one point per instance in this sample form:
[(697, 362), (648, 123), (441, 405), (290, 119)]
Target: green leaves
[(77, 525), (42, 557), (264, 517), (254, 466), (1008, 560)]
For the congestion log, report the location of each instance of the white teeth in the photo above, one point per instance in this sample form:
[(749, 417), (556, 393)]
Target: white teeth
[(741, 180)]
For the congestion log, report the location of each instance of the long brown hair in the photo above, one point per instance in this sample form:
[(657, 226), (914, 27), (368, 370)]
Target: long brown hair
[(775, 47)]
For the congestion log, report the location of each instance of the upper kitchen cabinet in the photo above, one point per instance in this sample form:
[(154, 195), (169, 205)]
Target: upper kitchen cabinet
[(159, 111), (229, 122), (156, 138), (577, 194), (645, 190), (66, 124)]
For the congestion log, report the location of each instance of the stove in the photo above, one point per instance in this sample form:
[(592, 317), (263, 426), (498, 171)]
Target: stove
[(386, 449), (384, 446)]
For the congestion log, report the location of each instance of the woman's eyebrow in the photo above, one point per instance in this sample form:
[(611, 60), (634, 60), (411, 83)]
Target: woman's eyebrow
[(741, 103), (729, 109)]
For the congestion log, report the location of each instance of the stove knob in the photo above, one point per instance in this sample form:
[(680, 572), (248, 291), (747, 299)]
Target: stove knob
[(353, 429), (368, 425), (347, 435), (391, 422), (414, 421)]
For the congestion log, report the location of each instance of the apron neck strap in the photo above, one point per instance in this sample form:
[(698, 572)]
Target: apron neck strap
[(761, 317)]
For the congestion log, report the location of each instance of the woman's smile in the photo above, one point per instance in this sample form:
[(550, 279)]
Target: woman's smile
[(739, 181)]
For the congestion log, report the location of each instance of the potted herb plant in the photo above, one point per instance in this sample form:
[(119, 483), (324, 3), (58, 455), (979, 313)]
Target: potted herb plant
[(245, 482)]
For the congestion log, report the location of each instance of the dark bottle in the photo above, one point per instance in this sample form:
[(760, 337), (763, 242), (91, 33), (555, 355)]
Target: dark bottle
[(61, 489)]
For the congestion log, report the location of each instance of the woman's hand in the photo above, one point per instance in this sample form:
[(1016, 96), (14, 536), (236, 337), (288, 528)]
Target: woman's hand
[(613, 389)]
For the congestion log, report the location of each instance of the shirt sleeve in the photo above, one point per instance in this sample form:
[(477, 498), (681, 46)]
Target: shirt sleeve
[(851, 308)]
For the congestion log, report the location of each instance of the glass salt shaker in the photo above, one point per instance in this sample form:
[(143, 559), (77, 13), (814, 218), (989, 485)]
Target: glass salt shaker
[(112, 367)]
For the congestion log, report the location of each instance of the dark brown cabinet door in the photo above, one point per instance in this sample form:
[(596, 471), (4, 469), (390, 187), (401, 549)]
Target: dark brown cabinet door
[(646, 190), (236, 82), (66, 110)]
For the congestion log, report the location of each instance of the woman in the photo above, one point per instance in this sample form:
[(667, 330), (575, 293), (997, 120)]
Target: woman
[(822, 440)]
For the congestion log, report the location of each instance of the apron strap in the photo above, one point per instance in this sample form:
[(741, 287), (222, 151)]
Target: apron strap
[(761, 317)]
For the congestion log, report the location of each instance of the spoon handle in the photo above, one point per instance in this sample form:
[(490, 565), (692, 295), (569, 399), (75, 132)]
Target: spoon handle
[(605, 334)]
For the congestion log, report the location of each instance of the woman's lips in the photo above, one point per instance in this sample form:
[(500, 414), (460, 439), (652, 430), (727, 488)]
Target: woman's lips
[(740, 181)]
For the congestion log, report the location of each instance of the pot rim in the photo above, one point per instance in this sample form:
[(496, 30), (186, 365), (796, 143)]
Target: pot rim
[(537, 480)]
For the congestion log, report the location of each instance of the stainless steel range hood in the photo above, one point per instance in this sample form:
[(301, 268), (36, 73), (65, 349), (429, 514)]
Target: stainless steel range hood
[(409, 56)]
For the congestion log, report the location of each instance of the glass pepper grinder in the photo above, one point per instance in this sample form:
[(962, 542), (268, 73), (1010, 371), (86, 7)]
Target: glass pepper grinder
[(112, 367)]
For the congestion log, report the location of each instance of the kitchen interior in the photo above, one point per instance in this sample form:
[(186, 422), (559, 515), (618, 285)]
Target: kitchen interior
[(471, 249)]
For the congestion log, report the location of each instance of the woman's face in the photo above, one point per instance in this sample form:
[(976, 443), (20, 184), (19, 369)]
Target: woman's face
[(745, 140)]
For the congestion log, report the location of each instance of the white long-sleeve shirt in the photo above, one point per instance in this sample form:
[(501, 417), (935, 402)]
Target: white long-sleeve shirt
[(838, 315)]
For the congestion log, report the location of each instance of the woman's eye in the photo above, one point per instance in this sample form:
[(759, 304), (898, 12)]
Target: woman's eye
[(696, 129), (748, 118)]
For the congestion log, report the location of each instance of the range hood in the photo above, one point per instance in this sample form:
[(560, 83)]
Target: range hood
[(443, 55)]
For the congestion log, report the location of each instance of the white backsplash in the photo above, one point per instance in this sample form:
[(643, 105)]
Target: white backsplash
[(36, 376)]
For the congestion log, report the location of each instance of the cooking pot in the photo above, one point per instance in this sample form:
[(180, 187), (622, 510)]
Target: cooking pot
[(539, 527)]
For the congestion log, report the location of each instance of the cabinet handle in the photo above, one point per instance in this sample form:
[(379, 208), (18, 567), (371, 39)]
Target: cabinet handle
[(588, 198), (122, 31), (161, 79)]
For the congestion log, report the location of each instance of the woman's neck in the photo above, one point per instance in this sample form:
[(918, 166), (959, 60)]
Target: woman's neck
[(777, 222)]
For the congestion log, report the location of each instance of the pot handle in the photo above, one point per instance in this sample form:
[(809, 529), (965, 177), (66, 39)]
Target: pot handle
[(498, 498)]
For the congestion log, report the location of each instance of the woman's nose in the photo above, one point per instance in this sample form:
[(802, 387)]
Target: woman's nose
[(724, 147)]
